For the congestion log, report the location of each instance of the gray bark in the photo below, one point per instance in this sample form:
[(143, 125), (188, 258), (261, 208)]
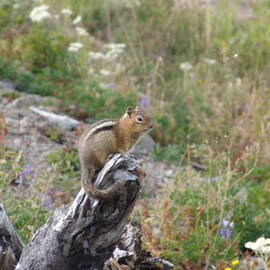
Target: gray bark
[(11, 245), (129, 254), (84, 234)]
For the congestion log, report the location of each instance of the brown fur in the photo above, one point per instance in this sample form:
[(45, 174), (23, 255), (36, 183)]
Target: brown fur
[(108, 137)]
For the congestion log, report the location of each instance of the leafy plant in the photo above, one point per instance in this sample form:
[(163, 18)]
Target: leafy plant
[(11, 95), (54, 135), (22, 205), (170, 153)]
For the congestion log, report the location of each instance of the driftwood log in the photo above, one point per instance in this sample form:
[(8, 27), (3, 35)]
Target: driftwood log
[(89, 234)]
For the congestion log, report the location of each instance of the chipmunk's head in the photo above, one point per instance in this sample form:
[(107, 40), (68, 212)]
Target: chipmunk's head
[(138, 120)]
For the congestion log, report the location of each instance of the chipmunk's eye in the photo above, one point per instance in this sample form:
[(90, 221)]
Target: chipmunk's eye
[(139, 119)]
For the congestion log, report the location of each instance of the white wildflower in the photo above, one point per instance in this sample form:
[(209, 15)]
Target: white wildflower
[(238, 81), (265, 250), (115, 46), (111, 55), (16, 6), (96, 55), (105, 72), (235, 56), (261, 246), (75, 46), (91, 71), (67, 11), (185, 66), (81, 31), (210, 61), (137, 3), (115, 50), (77, 20), (40, 13), (250, 245)]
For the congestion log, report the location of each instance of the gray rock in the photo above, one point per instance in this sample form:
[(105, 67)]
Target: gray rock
[(25, 129), (6, 85), (145, 145), (24, 102)]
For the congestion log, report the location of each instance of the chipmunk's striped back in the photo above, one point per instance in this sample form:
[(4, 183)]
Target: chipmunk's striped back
[(100, 126)]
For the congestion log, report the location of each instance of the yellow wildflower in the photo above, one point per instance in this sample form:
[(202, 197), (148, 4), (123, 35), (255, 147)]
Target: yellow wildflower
[(228, 268), (235, 262)]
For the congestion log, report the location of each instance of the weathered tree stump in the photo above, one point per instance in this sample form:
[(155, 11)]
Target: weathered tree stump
[(84, 234), (89, 234)]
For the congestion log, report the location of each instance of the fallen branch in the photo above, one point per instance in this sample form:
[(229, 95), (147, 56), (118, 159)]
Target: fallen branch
[(61, 121)]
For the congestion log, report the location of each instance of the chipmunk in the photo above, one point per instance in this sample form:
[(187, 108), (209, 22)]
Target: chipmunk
[(107, 137)]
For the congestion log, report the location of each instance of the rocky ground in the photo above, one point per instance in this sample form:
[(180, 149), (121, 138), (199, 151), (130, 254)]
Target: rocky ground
[(29, 117)]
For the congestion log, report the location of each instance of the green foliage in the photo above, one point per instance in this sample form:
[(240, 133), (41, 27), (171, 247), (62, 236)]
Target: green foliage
[(260, 174), (22, 205), (170, 153), (100, 102), (250, 217), (26, 215), (54, 135), (192, 212), (11, 95), (67, 161), (43, 48), (5, 11), (191, 219)]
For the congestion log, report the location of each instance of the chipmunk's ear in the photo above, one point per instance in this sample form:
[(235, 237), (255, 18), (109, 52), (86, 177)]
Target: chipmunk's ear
[(129, 111)]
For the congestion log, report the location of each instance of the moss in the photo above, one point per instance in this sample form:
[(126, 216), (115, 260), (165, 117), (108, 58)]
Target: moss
[(11, 95), (54, 135)]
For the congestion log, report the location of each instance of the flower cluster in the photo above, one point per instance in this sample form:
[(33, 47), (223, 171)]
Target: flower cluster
[(185, 66), (81, 31), (114, 51), (24, 174), (144, 101), (261, 246), (109, 57), (75, 46), (226, 229), (67, 11), (40, 13), (105, 63), (77, 20), (210, 61)]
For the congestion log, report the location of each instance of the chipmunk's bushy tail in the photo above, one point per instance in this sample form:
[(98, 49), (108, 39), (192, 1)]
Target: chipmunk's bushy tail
[(92, 191)]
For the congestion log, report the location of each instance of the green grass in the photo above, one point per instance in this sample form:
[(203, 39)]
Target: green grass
[(215, 114), (190, 214), (22, 202)]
